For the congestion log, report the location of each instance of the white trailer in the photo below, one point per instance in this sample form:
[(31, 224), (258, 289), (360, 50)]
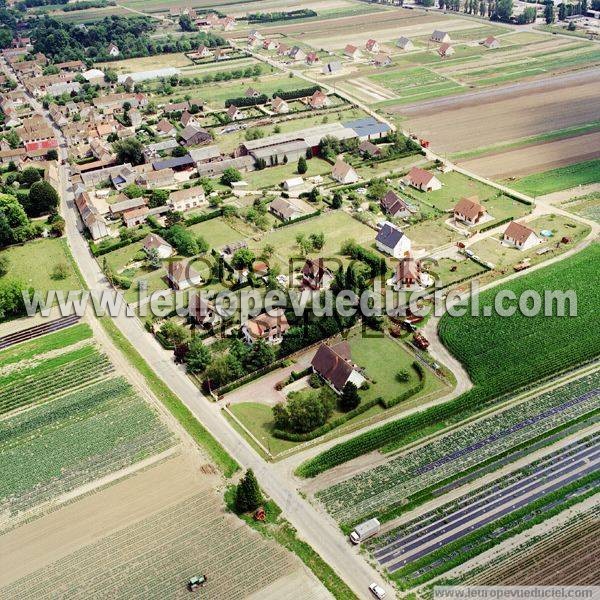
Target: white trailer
[(365, 530)]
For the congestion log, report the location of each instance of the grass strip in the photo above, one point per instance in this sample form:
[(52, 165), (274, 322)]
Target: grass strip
[(279, 529), (175, 406)]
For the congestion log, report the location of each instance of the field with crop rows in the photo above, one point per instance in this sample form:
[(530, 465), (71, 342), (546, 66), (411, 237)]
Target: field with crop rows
[(387, 486), (503, 354), (449, 535), (564, 556), (154, 557)]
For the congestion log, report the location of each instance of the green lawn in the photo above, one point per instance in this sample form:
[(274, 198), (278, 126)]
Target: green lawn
[(562, 178), (462, 269), (32, 263), (273, 176), (431, 234), (454, 187), (337, 226), (218, 232)]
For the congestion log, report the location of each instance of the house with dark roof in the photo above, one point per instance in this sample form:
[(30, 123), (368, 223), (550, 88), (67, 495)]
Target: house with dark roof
[(404, 43), (284, 210), (441, 37), (193, 135), (332, 68), (391, 204), (315, 275), (334, 364), (369, 149), (391, 240)]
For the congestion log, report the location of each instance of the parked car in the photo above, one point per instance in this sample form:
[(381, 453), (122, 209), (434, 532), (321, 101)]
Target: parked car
[(377, 591)]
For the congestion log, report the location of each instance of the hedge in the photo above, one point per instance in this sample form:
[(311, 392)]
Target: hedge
[(316, 213), (301, 93), (195, 219), (243, 101), (228, 387)]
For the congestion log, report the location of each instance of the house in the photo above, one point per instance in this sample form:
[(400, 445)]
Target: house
[(331, 68), (312, 58), (89, 215), (352, 52), (343, 172), (123, 204), (158, 179), (155, 242), (369, 149), (167, 128), (315, 275), (193, 135), (445, 50), (187, 118), (296, 53), (203, 51), (441, 37), (185, 199), (394, 206), (279, 105), (135, 216), (469, 211), (334, 364), (520, 236), (252, 93), (269, 44), (269, 327), (284, 210), (382, 60), (202, 312), (491, 42), (283, 50), (423, 180), (318, 100), (409, 275), (404, 44), (180, 275), (227, 23), (122, 178), (372, 46), (391, 240), (234, 113), (113, 50), (293, 183)]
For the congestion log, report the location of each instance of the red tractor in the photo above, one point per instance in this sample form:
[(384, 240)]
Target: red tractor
[(420, 341)]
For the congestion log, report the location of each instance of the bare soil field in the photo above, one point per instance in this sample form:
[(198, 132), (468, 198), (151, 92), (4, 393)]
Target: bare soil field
[(511, 112), (143, 537), (537, 157)]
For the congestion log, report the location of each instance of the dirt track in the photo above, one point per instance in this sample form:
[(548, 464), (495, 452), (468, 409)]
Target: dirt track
[(536, 158), (507, 113)]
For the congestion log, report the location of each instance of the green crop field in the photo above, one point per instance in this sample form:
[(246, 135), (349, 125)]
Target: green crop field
[(500, 354), (562, 178)]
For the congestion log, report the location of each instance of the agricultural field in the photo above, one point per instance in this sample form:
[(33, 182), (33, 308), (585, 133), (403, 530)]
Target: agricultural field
[(385, 489), (140, 536), (560, 557), (492, 351), (587, 206), (440, 539), (83, 421)]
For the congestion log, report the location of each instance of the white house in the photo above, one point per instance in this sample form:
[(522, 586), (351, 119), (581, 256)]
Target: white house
[(155, 242), (391, 240), (352, 52), (113, 50), (445, 50), (441, 37), (279, 106), (268, 327), (491, 42), (181, 275), (404, 43), (234, 113), (423, 180), (343, 172), (520, 236), (372, 46), (186, 199)]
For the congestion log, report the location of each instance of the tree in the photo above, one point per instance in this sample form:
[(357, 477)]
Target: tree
[(230, 175), (222, 370), (4, 265), (60, 271), (302, 165), (153, 258), (198, 356), (260, 355), (403, 376), (248, 496), (504, 9), (129, 150), (158, 198), (12, 137), (317, 240), (549, 12), (186, 23), (57, 224), (350, 398), (133, 191), (377, 190), (110, 76), (562, 11), (14, 224), (183, 240), (174, 332), (242, 259), (337, 200), (52, 154), (11, 299), (29, 176), (304, 411), (267, 252), (43, 198)]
